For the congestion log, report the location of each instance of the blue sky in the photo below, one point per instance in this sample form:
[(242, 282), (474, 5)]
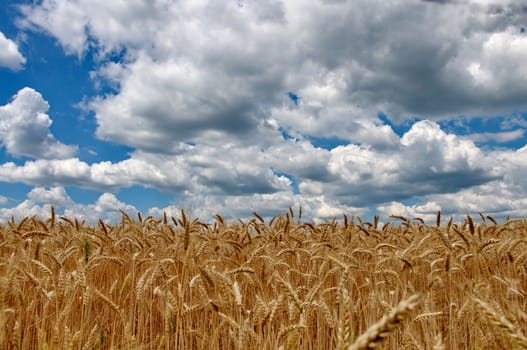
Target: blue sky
[(341, 107)]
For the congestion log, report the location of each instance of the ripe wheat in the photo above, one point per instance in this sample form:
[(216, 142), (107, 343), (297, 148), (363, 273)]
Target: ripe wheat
[(179, 283)]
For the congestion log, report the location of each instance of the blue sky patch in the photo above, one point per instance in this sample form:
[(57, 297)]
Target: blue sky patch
[(398, 128), (327, 142), (293, 97)]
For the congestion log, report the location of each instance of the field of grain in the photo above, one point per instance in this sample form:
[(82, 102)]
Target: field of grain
[(178, 283)]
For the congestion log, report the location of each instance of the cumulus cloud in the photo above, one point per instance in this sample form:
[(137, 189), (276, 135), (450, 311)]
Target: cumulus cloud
[(38, 203), (493, 70), (24, 128), (315, 208), (427, 211), (500, 198), (63, 19), (74, 24), (40, 200), (425, 160), (74, 172), (196, 67), (494, 198), (106, 207), (499, 137), (443, 171), (204, 170), (202, 91), (54, 196), (10, 56), (163, 104)]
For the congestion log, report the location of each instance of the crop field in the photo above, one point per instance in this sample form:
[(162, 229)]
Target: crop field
[(283, 283)]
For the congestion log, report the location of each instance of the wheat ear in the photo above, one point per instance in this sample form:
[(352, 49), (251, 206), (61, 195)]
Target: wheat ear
[(502, 323), (380, 330)]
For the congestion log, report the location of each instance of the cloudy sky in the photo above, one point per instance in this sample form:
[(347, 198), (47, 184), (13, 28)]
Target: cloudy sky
[(360, 107)]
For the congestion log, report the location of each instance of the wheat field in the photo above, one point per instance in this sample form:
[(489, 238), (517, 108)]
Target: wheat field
[(178, 283)]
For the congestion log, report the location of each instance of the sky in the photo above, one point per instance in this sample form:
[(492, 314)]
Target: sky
[(359, 107)]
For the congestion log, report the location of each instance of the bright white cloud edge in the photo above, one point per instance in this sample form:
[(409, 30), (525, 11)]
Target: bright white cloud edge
[(10, 56)]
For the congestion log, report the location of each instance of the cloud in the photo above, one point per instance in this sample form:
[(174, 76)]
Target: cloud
[(24, 128), (427, 211), (499, 137), (10, 56), (73, 172), (494, 198), (107, 207), (498, 198), (424, 160), (161, 105), (54, 196), (38, 203), (205, 170), (202, 92), (495, 71), (440, 1), (190, 68), (449, 174), (64, 20), (40, 200), (316, 208)]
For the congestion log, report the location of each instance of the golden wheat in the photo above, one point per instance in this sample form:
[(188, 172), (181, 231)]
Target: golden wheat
[(262, 283), (382, 329)]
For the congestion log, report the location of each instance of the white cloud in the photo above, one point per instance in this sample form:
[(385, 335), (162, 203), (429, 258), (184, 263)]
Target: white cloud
[(348, 180), (63, 19), (494, 69), (39, 201), (163, 104), (495, 198), (500, 137), (514, 164), (200, 92), (10, 56), (425, 143), (499, 198), (24, 128), (299, 159), (55, 196), (425, 160), (25, 209), (107, 207), (73, 172), (427, 211), (194, 67), (267, 205), (201, 169)]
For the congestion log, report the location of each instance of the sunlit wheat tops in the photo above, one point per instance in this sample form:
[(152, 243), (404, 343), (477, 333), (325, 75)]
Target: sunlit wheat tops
[(263, 283)]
